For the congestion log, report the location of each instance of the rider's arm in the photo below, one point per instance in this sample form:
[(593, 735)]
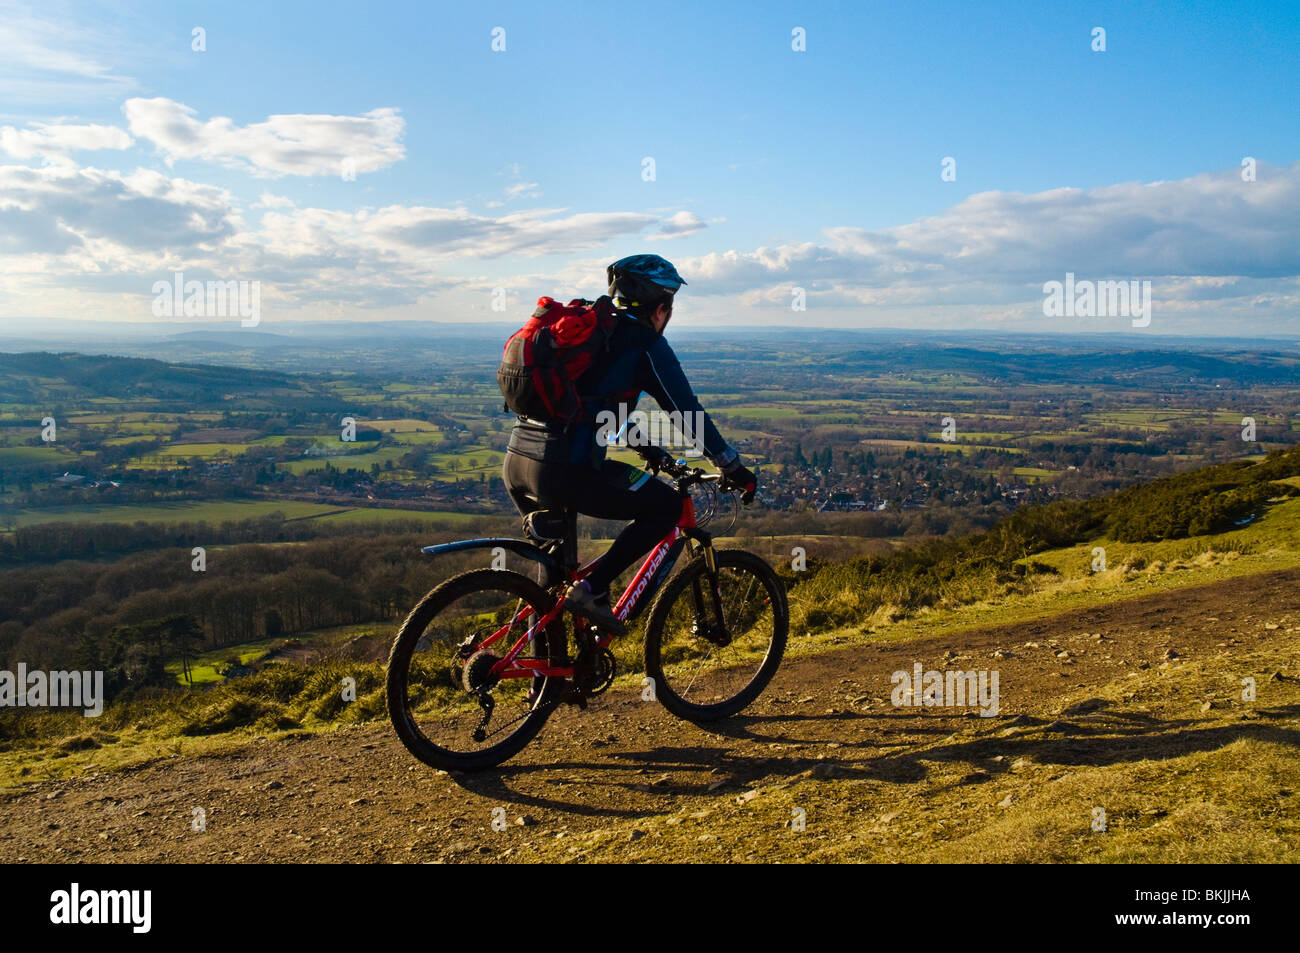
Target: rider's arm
[(662, 378)]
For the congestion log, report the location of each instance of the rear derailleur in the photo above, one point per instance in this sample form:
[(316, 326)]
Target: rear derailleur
[(478, 680)]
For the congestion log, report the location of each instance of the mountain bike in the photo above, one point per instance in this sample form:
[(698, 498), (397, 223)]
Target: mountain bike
[(483, 659)]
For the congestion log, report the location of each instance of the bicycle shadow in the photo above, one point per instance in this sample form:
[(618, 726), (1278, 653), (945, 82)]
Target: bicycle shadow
[(1086, 735), (498, 783)]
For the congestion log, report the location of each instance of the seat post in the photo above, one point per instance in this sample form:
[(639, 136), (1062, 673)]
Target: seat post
[(570, 547)]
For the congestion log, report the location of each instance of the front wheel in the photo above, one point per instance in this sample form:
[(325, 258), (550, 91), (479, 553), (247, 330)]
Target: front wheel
[(705, 666)]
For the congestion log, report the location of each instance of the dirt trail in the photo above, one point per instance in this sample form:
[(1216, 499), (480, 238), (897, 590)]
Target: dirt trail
[(596, 785)]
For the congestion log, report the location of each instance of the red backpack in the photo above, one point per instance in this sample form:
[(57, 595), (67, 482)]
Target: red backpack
[(544, 359)]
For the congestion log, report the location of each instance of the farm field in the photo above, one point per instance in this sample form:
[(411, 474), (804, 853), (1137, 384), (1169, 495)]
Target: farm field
[(859, 433), (220, 511)]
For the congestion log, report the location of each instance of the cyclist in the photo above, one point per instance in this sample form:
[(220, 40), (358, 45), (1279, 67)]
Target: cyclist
[(549, 465)]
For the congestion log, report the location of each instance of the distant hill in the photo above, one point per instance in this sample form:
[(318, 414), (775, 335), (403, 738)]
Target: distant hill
[(1111, 365), (410, 347), (68, 377)]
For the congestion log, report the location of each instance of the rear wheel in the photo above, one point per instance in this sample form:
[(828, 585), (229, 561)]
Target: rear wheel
[(705, 667), (447, 708)]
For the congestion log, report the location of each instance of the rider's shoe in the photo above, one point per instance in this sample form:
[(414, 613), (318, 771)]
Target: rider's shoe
[(594, 608)]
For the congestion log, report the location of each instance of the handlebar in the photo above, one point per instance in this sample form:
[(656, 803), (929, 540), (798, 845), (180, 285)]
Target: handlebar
[(685, 475), (679, 470), (708, 505)]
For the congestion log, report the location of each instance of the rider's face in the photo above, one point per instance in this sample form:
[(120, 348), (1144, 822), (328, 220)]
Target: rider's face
[(661, 316)]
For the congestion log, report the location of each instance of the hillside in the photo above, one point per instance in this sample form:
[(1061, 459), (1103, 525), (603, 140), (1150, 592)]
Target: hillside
[(75, 378), (1121, 689), (1143, 719)]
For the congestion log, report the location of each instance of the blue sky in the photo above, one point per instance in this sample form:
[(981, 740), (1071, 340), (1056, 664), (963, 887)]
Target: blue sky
[(126, 155)]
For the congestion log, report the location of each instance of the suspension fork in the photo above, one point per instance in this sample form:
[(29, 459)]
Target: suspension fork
[(715, 632)]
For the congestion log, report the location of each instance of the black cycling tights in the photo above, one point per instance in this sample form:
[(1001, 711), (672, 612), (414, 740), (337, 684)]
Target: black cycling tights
[(617, 491)]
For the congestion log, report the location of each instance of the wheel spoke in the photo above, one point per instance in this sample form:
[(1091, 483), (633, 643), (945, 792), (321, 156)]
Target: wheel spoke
[(699, 668)]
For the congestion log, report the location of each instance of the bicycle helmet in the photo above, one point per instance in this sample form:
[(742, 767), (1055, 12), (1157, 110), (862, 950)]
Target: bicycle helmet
[(642, 281)]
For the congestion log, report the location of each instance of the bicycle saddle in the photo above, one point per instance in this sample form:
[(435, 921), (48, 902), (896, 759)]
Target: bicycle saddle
[(546, 525)]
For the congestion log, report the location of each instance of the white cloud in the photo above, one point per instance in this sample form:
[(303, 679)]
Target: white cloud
[(998, 247), (267, 200), (518, 189), (66, 230), (62, 209), (57, 55), (443, 233), (523, 190), (1218, 251), (293, 144), (45, 139), (679, 225)]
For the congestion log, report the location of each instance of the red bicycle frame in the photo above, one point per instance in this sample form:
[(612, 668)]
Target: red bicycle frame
[(648, 578)]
